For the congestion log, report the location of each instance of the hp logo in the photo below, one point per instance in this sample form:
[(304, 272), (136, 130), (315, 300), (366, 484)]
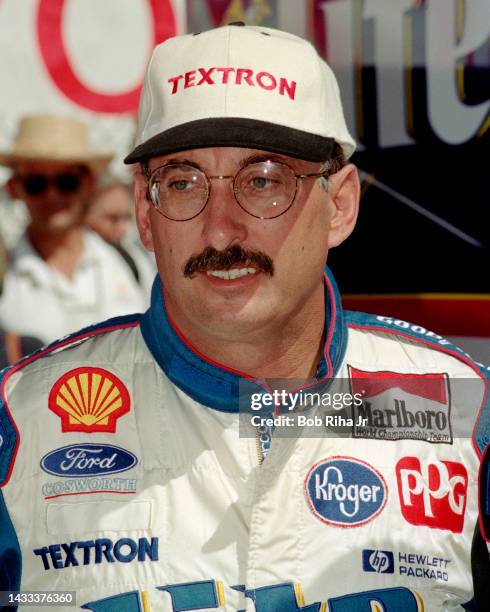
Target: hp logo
[(379, 561)]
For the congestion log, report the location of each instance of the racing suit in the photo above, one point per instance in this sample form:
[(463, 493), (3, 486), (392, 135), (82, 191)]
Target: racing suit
[(130, 477)]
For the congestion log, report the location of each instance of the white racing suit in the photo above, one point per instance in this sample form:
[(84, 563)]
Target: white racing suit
[(129, 477)]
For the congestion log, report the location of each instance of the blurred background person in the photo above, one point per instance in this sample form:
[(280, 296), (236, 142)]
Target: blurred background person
[(12, 346), (111, 214), (62, 276), (110, 209)]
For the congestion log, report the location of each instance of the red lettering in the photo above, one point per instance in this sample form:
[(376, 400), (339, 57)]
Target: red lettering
[(289, 88), (49, 24), (266, 75), (266, 80), (175, 82), (205, 76), (189, 78), (226, 72), (432, 494), (246, 73)]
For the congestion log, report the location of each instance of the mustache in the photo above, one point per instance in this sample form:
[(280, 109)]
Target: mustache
[(212, 259)]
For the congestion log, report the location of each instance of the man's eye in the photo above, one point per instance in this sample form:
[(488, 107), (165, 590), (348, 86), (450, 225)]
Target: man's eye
[(260, 182), (181, 185)]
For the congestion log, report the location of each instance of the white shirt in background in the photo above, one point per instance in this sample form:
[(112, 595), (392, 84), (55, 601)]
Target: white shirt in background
[(39, 301)]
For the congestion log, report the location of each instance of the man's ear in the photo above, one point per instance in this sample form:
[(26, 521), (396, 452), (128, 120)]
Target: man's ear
[(143, 209), (344, 191)]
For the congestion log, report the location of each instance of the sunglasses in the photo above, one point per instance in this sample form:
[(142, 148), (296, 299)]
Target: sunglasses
[(64, 182)]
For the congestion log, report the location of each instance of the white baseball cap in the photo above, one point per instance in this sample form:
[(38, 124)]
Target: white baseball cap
[(238, 86)]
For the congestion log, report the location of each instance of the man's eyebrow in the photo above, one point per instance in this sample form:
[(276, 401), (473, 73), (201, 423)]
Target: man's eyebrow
[(178, 160), (260, 157), (251, 159)]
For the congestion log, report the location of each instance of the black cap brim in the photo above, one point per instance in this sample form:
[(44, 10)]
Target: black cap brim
[(235, 132)]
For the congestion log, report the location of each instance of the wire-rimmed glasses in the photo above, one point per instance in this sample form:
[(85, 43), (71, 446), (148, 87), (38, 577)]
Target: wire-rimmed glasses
[(265, 189)]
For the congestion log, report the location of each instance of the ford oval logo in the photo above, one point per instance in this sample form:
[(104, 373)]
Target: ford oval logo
[(344, 491), (88, 459)]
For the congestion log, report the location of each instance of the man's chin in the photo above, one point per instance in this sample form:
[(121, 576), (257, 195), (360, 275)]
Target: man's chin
[(234, 323), (60, 221)]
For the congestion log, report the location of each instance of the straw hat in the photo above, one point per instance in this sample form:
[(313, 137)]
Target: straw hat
[(51, 138)]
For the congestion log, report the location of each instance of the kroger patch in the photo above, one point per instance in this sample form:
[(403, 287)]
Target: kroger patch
[(88, 460), (345, 492)]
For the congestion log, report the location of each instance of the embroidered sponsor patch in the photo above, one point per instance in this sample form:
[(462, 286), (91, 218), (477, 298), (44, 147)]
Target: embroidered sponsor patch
[(345, 492), (409, 564), (432, 494), (379, 561), (88, 400), (102, 550), (91, 484), (88, 460), (400, 406)]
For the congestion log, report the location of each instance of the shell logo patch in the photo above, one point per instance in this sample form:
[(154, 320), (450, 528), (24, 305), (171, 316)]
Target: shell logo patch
[(88, 400)]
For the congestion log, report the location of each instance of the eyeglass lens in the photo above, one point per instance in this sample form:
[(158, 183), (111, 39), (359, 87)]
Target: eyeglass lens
[(65, 183), (264, 189)]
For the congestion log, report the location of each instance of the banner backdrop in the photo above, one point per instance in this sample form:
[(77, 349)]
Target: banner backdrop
[(414, 77), (80, 57)]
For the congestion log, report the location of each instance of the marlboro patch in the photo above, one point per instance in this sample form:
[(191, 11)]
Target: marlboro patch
[(397, 406)]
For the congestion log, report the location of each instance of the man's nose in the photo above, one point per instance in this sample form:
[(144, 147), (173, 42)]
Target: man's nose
[(51, 197), (53, 193), (224, 221)]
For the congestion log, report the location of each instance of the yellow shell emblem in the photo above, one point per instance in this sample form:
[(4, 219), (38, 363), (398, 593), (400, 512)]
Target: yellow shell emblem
[(89, 399)]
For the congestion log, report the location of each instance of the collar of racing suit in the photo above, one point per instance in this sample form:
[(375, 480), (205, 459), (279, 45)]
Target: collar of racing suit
[(214, 385)]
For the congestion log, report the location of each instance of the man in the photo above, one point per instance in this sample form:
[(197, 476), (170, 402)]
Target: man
[(242, 187), (110, 214), (62, 276)]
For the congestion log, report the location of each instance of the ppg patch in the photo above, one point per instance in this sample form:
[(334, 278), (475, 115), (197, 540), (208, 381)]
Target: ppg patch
[(379, 561)]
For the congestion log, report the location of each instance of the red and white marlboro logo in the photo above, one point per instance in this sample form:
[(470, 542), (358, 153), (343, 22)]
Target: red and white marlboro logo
[(398, 406)]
